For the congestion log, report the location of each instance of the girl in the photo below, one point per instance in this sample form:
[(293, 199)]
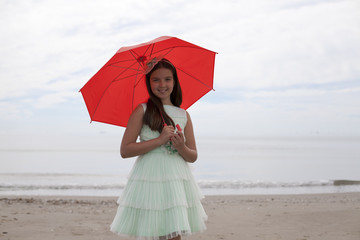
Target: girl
[(161, 199)]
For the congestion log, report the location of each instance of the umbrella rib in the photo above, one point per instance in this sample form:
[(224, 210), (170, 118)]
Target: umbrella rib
[(196, 79), (152, 49), (132, 101), (102, 95), (133, 54), (152, 45), (127, 68), (98, 103), (122, 72), (120, 79), (136, 78), (137, 55), (116, 79), (128, 60), (168, 52), (137, 82)]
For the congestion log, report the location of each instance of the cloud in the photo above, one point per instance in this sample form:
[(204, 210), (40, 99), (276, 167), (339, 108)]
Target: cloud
[(9, 111), (327, 110), (267, 49), (289, 46), (52, 99), (267, 44)]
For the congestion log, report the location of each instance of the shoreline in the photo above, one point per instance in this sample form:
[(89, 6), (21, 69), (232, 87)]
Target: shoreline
[(79, 185), (95, 198), (294, 216)]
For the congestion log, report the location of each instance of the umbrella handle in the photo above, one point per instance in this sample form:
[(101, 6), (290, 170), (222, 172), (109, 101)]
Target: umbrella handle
[(163, 120), (177, 125)]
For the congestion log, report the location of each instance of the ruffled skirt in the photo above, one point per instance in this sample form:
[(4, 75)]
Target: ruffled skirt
[(161, 199)]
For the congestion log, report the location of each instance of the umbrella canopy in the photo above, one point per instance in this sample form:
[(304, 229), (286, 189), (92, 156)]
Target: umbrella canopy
[(119, 86)]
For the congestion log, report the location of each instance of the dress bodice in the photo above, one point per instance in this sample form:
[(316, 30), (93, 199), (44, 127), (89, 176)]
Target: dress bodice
[(177, 114)]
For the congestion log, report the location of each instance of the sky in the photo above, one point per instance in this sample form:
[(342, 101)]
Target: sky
[(283, 68)]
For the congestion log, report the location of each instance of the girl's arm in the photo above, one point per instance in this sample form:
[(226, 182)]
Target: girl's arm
[(186, 149), (129, 146)]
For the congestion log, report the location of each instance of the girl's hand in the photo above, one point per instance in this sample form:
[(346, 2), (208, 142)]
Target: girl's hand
[(166, 134), (178, 140)]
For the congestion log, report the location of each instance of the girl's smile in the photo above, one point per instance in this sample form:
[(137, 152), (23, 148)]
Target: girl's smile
[(162, 84)]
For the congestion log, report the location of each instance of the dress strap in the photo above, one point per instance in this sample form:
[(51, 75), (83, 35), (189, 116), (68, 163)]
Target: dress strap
[(144, 105)]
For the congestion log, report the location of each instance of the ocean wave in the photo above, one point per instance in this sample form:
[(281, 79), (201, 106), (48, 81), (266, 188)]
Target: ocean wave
[(202, 184), (345, 182), (260, 184), (17, 187)]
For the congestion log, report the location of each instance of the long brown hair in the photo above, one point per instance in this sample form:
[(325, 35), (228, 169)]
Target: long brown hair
[(155, 112)]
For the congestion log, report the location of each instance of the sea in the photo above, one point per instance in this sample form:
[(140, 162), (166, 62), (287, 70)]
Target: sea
[(92, 166)]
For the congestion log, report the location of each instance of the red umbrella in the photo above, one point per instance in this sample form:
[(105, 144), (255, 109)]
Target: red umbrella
[(119, 86)]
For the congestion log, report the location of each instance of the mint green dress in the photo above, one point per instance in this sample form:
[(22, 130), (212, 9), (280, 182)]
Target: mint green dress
[(161, 199)]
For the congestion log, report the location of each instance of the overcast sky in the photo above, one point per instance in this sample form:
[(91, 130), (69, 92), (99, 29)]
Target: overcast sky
[(284, 67)]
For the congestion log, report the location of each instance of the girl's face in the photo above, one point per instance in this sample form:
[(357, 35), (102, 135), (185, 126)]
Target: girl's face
[(162, 84)]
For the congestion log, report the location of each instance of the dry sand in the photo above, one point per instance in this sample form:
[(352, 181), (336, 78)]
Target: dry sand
[(298, 217)]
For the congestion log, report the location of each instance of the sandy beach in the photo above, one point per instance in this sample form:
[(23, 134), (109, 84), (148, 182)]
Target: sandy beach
[(300, 217)]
